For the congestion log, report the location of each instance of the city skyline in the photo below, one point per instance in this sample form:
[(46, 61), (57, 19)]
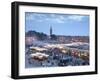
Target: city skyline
[(62, 24)]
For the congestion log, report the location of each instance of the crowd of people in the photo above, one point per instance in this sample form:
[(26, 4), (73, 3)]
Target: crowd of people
[(57, 57)]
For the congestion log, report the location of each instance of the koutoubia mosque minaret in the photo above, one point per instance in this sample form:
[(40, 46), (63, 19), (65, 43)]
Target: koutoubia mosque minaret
[(50, 30)]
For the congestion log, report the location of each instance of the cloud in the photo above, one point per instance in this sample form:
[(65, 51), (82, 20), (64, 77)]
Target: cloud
[(34, 16), (76, 17), (29, 16), (58, 20), (53, 18)]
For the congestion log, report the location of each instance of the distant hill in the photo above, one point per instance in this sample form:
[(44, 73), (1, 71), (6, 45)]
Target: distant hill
[(39, 35)]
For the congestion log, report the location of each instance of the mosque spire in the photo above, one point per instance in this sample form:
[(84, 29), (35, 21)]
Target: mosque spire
[(50, 30)]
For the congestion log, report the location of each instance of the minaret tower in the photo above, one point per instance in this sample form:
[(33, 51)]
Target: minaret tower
[(50, 31)]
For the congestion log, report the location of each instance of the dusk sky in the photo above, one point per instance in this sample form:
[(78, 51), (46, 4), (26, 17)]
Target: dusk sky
[(62, 24)]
